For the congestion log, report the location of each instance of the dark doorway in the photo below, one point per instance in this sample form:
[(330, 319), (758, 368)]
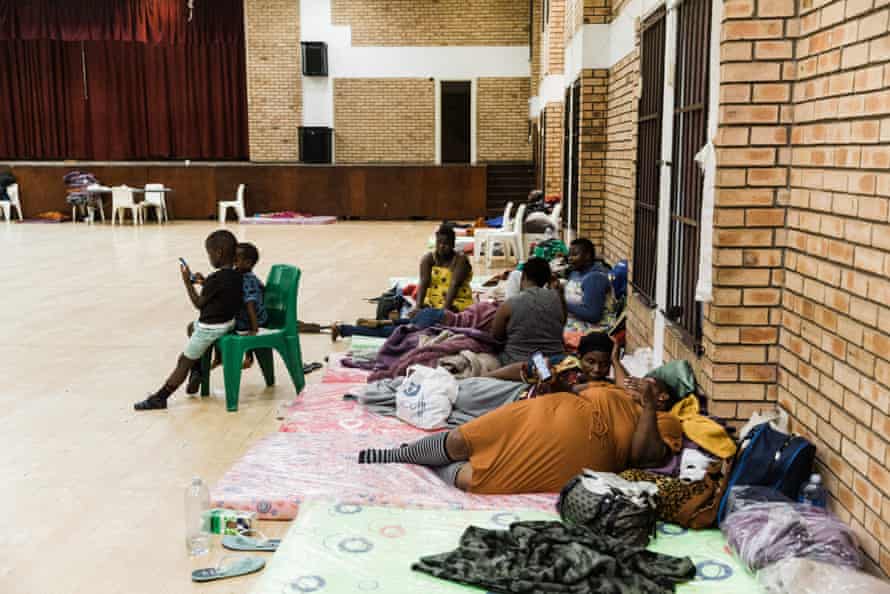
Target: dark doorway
[(456, 122)]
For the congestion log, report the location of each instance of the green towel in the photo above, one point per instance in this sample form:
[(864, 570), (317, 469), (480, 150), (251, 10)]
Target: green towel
[(677, 375)]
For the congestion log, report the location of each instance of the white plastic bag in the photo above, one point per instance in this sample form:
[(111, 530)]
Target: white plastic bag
[(805, 576), (426, 397)]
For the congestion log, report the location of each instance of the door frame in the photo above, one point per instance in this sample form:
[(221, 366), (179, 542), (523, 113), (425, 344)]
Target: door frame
[(437, 82)]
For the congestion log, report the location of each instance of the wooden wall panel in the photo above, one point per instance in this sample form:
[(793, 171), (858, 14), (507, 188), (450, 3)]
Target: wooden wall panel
[(370, 192)]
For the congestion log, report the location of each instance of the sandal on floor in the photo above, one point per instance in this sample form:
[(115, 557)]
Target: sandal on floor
[(310, 367), (153, 402), (229, 567), (257, 542), (310, 328)]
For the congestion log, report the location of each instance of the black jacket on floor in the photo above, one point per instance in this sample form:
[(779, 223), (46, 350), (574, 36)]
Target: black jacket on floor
[(548, 557)]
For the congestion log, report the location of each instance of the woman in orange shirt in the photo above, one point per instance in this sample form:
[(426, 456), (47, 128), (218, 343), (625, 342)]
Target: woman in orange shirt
[(537, 445)]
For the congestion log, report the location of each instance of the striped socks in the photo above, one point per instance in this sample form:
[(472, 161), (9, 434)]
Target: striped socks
[(426, 451), (448, 473)]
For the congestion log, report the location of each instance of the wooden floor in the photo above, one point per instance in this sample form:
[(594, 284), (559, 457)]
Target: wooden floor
[(92, 319)]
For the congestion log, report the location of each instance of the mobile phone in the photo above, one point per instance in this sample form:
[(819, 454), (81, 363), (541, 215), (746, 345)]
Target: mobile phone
[(191, 274), (541, 366)]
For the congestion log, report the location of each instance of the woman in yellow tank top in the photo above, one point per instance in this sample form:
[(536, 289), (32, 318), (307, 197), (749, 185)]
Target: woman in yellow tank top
[(445, 276)]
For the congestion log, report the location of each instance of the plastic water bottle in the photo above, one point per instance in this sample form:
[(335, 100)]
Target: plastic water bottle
[(197, 503), (812, 492)]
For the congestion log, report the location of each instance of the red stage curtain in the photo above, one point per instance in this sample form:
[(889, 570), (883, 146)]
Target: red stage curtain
[(158, 87)]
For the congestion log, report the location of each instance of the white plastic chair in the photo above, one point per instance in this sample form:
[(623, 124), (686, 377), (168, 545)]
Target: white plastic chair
[(157, 201), (511, 240), (15, 201), (555, 219), (96, 202), (480, 235), (237, 205), (122, 197)]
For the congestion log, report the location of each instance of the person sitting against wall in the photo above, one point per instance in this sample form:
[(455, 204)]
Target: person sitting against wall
[(533, 320), (598, 355), (538, 445), (588, 289)]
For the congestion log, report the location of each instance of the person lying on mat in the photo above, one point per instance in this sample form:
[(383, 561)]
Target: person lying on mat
[(537, 445), (598, 355), (445, 276), (533, 320), (587, 289), (424, 318), (219, 303), (253, 314)]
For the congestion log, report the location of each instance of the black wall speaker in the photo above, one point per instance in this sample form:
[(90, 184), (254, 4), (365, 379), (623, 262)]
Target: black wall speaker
[(315, 144), (315, 58)]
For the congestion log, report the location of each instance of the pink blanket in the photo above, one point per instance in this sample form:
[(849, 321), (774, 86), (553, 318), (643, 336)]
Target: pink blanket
[(322, 408)]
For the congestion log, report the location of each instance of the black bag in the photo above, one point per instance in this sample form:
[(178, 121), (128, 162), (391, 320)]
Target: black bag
[(770, 458), (391, 300), (608, 510)]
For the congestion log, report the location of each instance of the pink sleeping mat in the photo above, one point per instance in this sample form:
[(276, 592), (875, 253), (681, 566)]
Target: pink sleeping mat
[(284, 470), (322, 408), (320, 220), (314, 457), (336, 372)]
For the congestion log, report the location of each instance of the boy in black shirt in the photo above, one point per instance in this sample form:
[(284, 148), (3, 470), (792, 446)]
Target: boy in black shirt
[(219, 303)]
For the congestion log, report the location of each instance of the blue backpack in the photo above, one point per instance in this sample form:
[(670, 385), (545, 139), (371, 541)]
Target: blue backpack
[(771, 459)]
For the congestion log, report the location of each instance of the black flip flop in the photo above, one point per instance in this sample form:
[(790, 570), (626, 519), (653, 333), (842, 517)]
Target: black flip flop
[(310, 367)]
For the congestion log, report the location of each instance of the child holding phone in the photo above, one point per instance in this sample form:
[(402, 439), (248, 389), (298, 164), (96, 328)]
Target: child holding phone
[(252, 316), (219, 302)]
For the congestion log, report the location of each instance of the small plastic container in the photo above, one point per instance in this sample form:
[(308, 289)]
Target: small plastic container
[(813, 493), (197, 503)]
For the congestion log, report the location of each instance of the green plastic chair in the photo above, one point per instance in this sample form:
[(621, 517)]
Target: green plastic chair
[(282, 335)]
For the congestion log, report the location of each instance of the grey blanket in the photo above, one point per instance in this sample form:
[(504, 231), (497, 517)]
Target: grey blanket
[(475, 397)]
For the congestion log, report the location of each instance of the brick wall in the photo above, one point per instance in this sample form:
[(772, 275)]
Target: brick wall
[(620, 182), (384, 120), (555, 54), (741, 326), (835, 340), (640, 324), (273, 79), (502, 120), (597, 12), (443, 22), (538, 49), (553, 147), (592, 154)]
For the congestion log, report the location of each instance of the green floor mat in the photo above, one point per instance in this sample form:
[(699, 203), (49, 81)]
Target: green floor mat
[(365, 344), (345, 549), (340, 549), (718, 569)]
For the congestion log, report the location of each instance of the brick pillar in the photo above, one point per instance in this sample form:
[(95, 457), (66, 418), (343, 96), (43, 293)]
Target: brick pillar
[(741, 328), (274, 79), (621, 156), (556, 37), (592, 154), (539, 51), (597, 12), (553, 149)]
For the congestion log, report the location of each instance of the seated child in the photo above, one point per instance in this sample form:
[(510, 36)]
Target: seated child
[(253, 315), (219, 303)]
